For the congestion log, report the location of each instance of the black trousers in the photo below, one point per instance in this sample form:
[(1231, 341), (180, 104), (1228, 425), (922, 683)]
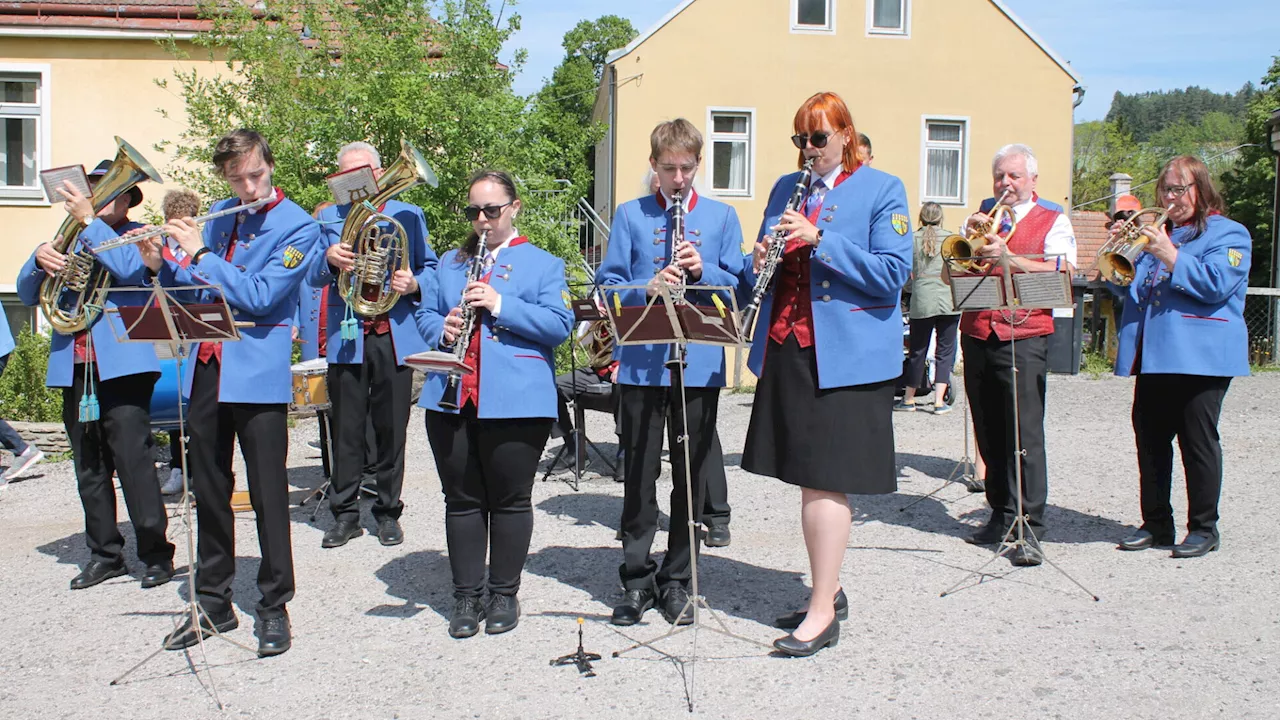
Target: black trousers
[(645, 412), (944, 355), (486, 472), (1186, 407), (988, 381), (377, 391), (120, 441), (264, 441)]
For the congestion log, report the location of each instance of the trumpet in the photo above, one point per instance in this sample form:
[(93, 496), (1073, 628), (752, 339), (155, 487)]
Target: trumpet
[(961, 250), (450, 400), (777, 247), (158, 232), (1119, 256)]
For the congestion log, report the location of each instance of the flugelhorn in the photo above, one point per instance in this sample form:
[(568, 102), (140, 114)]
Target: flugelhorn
[(960, 250), (777, 246), (453, 381), (1119, 256), (159, 231), (71, 296)]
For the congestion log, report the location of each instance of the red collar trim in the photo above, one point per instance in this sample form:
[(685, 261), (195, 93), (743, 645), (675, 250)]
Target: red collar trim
[(1192, 221), (689, 206), (518, 241)]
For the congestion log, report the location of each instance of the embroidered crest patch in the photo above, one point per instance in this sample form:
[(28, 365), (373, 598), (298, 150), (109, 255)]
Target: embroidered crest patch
[(1234, 257), (900, 223), (293, 257), (568, 301)]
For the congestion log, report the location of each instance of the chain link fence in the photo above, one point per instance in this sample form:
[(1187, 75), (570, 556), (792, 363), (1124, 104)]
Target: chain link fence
[(1261, 314)]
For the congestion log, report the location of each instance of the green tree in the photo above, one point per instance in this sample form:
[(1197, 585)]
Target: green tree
[(23, 395), (1249, 187)]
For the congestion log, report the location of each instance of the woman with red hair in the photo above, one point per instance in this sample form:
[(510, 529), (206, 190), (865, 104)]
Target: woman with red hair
[(828, 349)]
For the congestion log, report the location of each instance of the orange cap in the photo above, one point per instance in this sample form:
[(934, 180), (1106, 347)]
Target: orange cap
[(1128, 202)]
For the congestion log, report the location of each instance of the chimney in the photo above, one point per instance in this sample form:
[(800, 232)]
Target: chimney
[(1120, 185)]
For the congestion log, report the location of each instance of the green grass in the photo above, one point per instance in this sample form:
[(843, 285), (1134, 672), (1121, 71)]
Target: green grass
[(1096, 365)]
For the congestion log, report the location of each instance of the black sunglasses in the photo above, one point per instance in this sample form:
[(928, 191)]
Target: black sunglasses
[(492, 212), (818, 140)]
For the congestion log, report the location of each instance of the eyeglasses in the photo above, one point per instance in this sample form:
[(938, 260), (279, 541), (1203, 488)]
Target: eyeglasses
[(685, 169), (818, 139), (1177, 190), (492, 212)]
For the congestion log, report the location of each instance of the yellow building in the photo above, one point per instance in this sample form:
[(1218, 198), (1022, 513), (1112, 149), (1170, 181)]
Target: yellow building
[(73, 74), (938, 86)]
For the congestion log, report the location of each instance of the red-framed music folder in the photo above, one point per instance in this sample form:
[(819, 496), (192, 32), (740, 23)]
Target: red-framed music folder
[(197, 322), (437, 361), (666, 319)]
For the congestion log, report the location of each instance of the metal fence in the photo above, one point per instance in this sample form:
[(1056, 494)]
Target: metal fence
[(577, 218)]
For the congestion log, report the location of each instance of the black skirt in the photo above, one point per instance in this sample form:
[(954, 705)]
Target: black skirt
[(838, 440)]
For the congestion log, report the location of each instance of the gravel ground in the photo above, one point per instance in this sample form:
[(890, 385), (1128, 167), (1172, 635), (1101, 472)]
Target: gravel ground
[(1169, 639)]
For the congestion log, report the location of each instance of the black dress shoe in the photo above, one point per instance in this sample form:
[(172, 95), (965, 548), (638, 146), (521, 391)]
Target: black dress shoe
[(1196, 545), (339, 534), (274, 636), (389, 531), (675, 600), (718, 535), (184, 636), (1141, 540), (97, 571), (468, 611), (502, 613), (633, 606), (990, 534), (157, 575), (791, 621), (829, 637)]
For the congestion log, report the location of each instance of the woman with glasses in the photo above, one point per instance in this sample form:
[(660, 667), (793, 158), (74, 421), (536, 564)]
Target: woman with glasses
[(828, 350), (487, 450), (1182, 334)]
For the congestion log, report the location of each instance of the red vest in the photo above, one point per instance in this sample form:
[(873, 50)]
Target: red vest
[(1019, 324), (470, 390), (792, 307)]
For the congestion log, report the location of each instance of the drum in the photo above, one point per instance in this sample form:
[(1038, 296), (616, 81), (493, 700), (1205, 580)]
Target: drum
[(165, 396), (310, 386)]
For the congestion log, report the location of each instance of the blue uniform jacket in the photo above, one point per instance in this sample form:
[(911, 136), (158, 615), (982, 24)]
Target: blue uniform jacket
[(422, 263), (1190, 322), (639, 248), (261, 285), (517, 349), (308, 321), (855, 278), (114, 358), (6, 335)]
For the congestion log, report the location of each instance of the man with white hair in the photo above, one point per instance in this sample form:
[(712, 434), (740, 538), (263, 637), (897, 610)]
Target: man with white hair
[(990, 355), (367, 376)]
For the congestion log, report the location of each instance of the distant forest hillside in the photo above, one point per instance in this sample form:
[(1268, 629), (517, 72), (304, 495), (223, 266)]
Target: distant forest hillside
[(1143, 115)]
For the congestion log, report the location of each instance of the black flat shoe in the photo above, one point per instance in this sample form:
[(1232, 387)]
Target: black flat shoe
[(718, 535), (95, 572), (1141, 540), (184, 636), (633, 606), (340, 534), (800, 648), (390, 532), (791, 621), (274, 637), (157, 575), (675, 600), (1196, 545), (468, 611), (502, 613)]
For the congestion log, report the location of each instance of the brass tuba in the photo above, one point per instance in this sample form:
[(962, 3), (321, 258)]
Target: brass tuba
[(1118, 257), (72, 297), (367, 286), (960, 250)]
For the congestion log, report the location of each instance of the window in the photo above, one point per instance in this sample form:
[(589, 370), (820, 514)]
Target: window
[(945, 160), (18, 315), (732, 152), (888, 17), (23, 131), (809, 16)]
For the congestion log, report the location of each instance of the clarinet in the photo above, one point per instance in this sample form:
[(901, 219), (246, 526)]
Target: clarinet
[(677, 237), (449, 400), (777, 245)]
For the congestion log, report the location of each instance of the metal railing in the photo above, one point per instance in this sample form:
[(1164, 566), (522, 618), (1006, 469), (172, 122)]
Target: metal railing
[(577, 218)]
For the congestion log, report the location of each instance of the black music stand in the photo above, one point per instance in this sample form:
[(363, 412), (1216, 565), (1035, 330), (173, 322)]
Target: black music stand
[(164, 320), (1009, 292), (670, 317)]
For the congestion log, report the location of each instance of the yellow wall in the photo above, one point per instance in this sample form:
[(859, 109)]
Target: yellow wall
[(963, 58), (99, 89)]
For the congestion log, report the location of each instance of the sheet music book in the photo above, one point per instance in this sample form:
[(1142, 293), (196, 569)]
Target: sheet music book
[(353, 186), (977, 292), (713, 324), (1040, 290), (438, 362), (196, 322), (54, 177)]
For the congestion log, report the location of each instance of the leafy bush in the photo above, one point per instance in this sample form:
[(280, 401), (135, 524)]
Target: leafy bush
[(23, 395)]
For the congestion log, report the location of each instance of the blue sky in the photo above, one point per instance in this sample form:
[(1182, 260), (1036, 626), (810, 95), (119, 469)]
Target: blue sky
[(1126, 45)]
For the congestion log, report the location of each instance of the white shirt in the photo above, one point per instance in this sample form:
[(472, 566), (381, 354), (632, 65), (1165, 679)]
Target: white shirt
[(275, 195), (1060, 240)]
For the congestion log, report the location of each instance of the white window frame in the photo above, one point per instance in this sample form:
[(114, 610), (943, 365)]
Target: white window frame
[(903, 32), (828, 29), (34, 197), (713, 136), (965, 132)]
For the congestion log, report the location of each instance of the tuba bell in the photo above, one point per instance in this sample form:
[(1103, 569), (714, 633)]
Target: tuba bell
[(960, 250), (73, 297), (367, 286), (1118, 257)]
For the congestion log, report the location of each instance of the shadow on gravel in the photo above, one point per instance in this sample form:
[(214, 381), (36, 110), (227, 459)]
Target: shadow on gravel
[(422, 579), (593, 509), (731, 587), (303, 482)]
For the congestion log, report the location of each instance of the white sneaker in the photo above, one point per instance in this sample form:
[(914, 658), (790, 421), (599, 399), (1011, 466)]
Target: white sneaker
[(24, 461), (173, 485)]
